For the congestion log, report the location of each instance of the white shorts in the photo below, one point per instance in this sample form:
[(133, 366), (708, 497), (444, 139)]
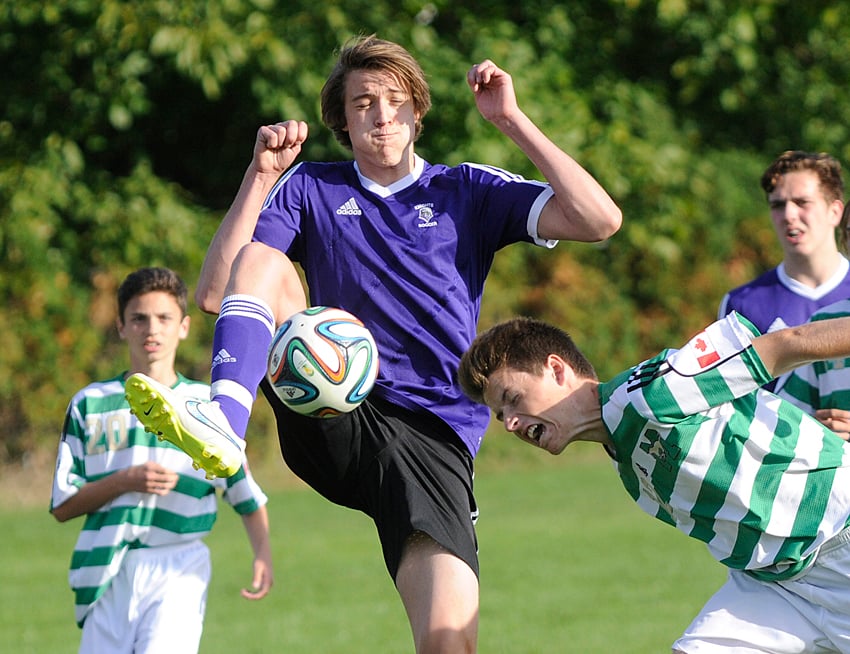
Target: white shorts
[(155, 604), (806, 615)]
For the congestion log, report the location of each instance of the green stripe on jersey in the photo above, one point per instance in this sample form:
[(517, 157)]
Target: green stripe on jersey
[(822, 384), (101, 437), (753, 477)]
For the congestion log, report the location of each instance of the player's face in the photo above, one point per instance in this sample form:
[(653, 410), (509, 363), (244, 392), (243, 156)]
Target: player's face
[(532, 406), (381, 122), (153, 327), (804, 220)]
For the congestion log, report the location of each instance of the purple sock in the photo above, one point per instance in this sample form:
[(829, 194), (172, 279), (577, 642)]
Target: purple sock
[(243, 333)]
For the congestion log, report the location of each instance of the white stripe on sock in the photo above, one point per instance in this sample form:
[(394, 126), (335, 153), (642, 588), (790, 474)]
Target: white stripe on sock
[(233, 390), (248, 306)]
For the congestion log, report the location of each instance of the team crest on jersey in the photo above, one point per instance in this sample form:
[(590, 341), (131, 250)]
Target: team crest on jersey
[(426, 215), (663, 452)]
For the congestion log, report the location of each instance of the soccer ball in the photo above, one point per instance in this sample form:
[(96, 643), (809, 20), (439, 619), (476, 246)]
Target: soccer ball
[(322, 362)]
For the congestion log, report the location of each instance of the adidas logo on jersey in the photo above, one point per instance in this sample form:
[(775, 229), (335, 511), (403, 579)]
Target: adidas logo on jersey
[(223, 356), (350, 208)]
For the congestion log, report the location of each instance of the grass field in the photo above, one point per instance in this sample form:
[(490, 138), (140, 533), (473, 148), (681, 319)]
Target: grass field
[(569, 564)]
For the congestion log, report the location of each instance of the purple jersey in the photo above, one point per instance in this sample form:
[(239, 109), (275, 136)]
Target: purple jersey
[(409, 260), (775, 301)]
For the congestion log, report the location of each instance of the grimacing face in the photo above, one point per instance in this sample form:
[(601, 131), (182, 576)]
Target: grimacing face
[(380, 120), (531, 406)]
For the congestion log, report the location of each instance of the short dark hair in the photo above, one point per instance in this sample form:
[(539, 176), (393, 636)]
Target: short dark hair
[(147, 280), (522, 344), (825, 166), (372, 53)]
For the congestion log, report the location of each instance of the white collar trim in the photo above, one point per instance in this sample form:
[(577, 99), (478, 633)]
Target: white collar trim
[(818, 291), (386, 191)]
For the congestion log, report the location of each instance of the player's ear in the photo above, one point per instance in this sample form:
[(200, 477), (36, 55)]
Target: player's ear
[(836, 210), (559, 368), (119, 325), (184, 326)]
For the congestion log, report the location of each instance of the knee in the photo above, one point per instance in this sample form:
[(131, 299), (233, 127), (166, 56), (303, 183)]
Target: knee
[(256, 260), (267, 273)]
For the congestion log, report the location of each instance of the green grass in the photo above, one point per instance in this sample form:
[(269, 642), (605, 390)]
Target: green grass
[(568, 562)]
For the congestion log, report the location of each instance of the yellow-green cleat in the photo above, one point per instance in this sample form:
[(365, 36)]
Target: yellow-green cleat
[(200, 429)]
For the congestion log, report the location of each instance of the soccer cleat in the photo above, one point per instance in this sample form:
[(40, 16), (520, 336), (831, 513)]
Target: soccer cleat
[(200, 429)]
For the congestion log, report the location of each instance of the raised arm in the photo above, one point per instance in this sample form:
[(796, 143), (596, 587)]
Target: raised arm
[(581, 209), (786, 349), (275, 149)]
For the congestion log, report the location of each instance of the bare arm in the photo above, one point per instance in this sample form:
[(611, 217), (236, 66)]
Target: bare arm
[(581, 209), (786, 349), (838, 420), (257, 528), (275, 149), (149, 477)]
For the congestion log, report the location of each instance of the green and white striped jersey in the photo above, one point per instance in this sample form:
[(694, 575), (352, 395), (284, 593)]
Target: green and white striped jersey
[(700, 446), (822, 384), (100, 437)]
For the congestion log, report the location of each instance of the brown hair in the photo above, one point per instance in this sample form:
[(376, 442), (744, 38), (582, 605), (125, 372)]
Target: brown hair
[(522, 344), (372, 53), (826, 167), (147, 280)]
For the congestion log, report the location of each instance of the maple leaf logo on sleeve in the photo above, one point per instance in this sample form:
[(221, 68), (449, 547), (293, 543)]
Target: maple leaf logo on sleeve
[(709, 354)]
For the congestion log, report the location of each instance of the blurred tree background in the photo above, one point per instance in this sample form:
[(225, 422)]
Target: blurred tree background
[(126, 126)]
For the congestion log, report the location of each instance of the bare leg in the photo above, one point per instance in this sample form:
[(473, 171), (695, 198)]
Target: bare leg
[(440, 594), (439, 591), (268, 274)]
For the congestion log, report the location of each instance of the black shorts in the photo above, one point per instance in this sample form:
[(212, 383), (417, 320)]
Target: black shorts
[(408, 471)]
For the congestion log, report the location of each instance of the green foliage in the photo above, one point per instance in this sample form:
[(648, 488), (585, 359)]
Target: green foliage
[(126, 126)]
